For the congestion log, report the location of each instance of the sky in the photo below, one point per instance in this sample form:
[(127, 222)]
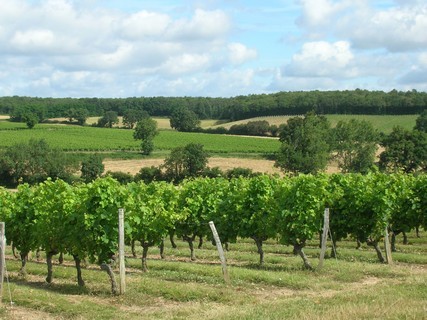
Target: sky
[(210, 48)]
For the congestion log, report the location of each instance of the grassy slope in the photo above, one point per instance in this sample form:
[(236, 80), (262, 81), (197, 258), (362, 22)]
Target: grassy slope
[(89, 138), (355, 286), (99, 139), (382, 123)]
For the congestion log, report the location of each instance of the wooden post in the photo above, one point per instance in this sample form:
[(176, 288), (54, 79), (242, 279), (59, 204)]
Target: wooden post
[(122, 252), (324, 238), (220, 252), (387, 246), (2, 259)]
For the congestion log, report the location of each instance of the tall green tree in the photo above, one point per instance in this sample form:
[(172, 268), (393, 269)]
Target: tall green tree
[(108, 119), (421, 122), (79, 114), (92, 168), (404, 150), (34, 162), (305, 147), (146, 130), (187, 161), (183, 119), (132, 116), (355, 143), (30, 120)]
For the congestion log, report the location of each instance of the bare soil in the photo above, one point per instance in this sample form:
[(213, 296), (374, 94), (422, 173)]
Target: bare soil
[(133, 166), (256, 165)]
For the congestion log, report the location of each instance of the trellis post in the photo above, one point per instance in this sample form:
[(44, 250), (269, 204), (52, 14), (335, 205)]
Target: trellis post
[(122, 267), (220, 252)]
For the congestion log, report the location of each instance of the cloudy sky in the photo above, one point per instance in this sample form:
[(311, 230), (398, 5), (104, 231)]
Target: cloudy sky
[(217, 48)]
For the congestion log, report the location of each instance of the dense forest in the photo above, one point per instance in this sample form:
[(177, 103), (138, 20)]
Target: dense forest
[(235, 108)]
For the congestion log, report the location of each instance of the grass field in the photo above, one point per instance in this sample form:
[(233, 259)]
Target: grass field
[(354, 286), (381, 123)]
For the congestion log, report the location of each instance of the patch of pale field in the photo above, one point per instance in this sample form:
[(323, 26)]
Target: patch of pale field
[(256, 165), (272, 120), (4, 117)]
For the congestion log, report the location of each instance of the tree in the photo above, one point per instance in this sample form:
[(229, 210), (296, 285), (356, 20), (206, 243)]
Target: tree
[(79, 114), (109, 118), (70, 114), (132, 116), (146, 130), (34, 162), (182, 162), (305, 147), (355, 143), (404, 150), (421, 122), (30, 120), (184, 119), (92, 168), (149, 174)]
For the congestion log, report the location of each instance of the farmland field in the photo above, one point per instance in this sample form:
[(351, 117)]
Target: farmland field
[(381, 123), (353, 286), (102, 139), (75, 138)]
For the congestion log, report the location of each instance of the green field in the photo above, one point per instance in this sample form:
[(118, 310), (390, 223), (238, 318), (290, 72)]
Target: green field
[(353, 286), (381, 123), (76, 138)]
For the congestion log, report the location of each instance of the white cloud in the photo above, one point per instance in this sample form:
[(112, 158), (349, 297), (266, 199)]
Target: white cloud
[(131, 47), (396, 29), (84, 44), (239, 53), (204, 26), (33, 40), (319, 12), (144, 24), (186, 63), (322, 59)]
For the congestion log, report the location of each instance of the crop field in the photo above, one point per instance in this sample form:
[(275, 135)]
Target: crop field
[(353, 286), (381, 123), (75, 138), (162, 123)]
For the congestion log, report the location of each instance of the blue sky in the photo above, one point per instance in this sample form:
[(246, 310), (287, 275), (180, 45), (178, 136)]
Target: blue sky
[(217, 48)]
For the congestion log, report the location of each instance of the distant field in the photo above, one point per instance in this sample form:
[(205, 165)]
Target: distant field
[(104, 139), (162, 123), (88, 138), (382, 123)]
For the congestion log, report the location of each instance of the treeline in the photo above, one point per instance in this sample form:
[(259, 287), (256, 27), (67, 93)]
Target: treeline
[(235, 108)]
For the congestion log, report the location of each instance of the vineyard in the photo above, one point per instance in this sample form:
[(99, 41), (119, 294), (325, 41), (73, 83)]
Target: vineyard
[(81, 220), (74, 138)]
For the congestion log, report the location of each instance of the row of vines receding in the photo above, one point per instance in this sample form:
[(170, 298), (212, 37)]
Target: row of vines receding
[(81, 220)]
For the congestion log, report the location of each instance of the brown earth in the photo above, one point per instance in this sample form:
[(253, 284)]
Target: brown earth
[(257, 165)]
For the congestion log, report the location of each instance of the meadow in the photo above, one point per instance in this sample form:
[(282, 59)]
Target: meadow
[(352, 286), (383, 123)]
